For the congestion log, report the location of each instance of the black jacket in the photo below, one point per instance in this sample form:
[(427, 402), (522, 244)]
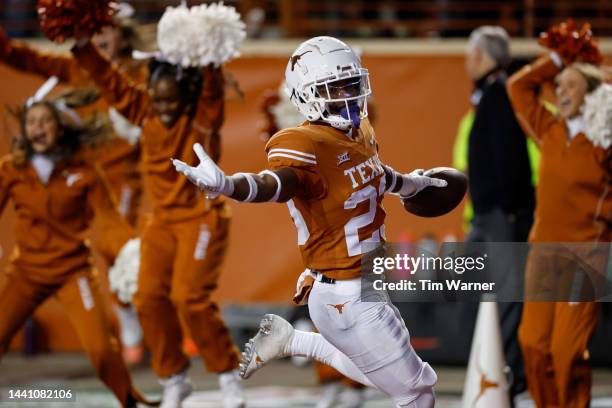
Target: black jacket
[(498, 163)]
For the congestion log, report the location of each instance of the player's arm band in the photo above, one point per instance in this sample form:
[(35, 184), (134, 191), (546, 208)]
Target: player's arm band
[(269, 185), (393, 180), (253, 189)]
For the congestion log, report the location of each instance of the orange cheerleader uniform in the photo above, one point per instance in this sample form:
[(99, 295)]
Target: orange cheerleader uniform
[(185, 238), (51, 257), (118, 158), (574, 204)]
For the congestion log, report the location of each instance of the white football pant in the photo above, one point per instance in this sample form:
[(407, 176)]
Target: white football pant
[(367, 342)]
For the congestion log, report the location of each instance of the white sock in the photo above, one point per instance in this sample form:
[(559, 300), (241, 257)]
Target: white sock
[(314, 345)]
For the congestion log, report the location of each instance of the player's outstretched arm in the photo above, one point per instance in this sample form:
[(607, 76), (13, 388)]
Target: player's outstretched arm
[(270, 185), (406, 185)]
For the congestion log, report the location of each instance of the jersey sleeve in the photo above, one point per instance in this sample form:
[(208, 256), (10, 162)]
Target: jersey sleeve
[(293, 149)]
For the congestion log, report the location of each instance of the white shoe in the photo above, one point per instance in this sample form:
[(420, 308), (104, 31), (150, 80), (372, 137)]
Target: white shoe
[(176, 389), (231, 388), (329, 395), (272, 341)]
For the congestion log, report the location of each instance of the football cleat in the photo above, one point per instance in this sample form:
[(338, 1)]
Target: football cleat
[(271, 342)]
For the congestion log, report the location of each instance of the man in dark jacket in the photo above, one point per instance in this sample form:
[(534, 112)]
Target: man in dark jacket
[(499, 173)]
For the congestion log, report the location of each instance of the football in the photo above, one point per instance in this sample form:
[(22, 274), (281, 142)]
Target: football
[(437, 201)]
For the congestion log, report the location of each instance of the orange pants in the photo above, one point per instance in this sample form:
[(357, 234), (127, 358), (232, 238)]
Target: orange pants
[(554, 337), (179, 270), (89, 313), (123, 178)]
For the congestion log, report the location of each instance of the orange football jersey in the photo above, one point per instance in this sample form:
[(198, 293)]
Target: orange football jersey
[(339, 202)]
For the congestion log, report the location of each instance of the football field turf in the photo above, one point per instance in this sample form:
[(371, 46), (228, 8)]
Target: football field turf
[(279, 385)]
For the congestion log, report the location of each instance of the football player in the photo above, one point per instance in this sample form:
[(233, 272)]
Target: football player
[(328, 172)]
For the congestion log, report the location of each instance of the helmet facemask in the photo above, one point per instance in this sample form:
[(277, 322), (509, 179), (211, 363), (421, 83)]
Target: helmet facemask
[(341, 100)]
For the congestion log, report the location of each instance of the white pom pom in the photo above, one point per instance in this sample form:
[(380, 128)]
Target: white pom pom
[(597, 114), (123, 275), (174, 33), (201, 35)]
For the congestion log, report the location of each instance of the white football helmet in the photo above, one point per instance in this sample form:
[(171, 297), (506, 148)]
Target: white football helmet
[(325, 81)]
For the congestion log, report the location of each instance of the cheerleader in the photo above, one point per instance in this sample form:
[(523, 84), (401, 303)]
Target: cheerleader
[(52, 188), (185, 238), (120, 155), (574, 204)]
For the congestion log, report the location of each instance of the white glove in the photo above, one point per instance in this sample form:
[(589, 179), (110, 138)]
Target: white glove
[(302, 278), (207, 175), (123, 275), (416, 181)]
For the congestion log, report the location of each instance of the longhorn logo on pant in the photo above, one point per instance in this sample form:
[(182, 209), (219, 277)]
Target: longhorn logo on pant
[(339, 307)]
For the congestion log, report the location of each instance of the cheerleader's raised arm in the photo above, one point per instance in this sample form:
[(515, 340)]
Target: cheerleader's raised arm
[(524, 92), (23, 57), (129, 98)]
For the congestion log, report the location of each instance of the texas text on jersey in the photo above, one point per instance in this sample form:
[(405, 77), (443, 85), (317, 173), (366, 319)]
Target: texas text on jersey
[(339, 202)]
